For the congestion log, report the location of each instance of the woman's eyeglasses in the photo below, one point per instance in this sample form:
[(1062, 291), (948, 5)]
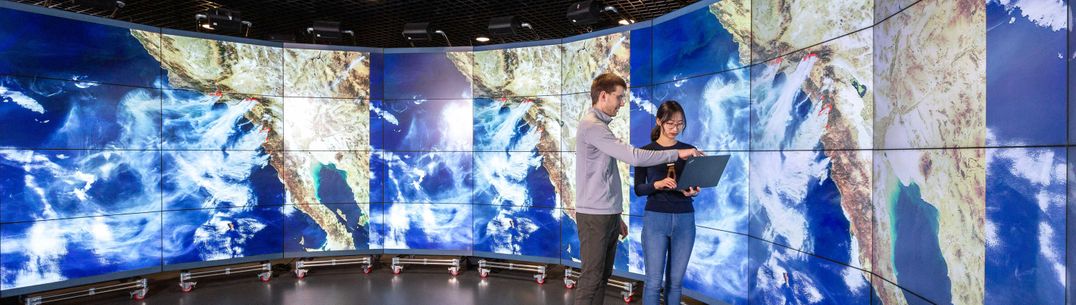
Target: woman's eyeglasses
[(671, 124)]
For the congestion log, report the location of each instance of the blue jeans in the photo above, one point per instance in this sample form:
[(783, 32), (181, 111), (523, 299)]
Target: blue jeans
[(667, 243)]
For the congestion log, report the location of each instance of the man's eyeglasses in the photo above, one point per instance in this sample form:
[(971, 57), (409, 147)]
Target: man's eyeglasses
[(620, 98)]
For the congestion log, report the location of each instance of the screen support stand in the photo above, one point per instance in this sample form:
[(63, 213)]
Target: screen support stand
[(453, 263), (570, 276), (187, 285), (302, 266), (140, 286), (484, 267)]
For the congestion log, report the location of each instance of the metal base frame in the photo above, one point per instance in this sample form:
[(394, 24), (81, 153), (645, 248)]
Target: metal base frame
[(187, 285), (303, 266), (137, 289), (453, 263), (570, 277), (484, 267)]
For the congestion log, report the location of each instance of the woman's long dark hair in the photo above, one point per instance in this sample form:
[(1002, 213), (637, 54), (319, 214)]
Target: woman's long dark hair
[(665, 112)]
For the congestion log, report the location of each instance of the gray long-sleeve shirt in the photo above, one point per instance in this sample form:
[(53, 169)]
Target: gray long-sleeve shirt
[(597, 181)]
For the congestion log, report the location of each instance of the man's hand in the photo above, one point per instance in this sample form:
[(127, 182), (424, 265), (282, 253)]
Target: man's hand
[(689, 153), (691, 191), (623, 228), (665, 184)]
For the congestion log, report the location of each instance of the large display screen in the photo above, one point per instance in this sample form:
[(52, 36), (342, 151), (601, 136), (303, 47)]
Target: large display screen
[(882, 152)]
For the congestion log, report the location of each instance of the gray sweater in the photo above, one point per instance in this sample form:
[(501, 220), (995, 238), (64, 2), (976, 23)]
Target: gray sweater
[(597, 181)]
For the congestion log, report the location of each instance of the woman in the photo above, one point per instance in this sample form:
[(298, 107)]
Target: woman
[(669, 222)]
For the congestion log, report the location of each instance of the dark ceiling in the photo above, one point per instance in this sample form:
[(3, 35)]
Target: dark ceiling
[(379, 23)]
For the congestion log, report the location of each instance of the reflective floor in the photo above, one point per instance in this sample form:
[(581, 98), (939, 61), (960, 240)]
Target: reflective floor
[(348, 285)]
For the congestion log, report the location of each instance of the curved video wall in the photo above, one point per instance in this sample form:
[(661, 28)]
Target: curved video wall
[(885, 152)]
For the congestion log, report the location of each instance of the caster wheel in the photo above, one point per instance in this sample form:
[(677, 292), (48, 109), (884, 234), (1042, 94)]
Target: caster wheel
[(396, 271), (454, 273), (540, 281), (483, 274), (300, 275), (186, 289), (138, 296), (569, 286), (366, 270), (627, 299), (264, 279)]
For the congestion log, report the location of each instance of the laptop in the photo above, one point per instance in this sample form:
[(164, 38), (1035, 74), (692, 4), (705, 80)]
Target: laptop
[(702, 172)]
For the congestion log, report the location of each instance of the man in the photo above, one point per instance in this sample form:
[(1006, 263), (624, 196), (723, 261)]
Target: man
[(598, 186)]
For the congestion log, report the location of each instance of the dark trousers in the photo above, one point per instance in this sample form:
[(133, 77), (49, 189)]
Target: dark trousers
[(598, 235)]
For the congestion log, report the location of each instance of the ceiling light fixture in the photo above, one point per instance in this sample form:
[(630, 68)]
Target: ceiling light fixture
[(328, 32), (223, 21), (588, 12), (417, 31)]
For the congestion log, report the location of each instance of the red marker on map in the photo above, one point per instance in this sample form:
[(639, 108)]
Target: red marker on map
[(825, 107)]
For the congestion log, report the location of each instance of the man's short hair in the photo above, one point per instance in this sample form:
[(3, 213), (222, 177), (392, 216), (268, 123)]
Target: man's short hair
[(605, 82)]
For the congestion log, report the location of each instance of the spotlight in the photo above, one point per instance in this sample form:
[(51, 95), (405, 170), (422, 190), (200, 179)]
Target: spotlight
[(626, 21), (584, 13), (587, 12), (223, 21), (421, 31), (445, 36), (482, 39), (504, 26), (508, 26), (418, 31), (327, 32)]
